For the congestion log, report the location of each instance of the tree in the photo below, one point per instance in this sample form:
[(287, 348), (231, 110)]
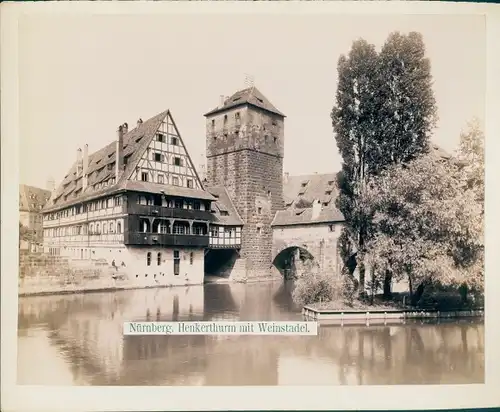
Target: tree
[(353, 118), (384, 114), (428, 227), (25, 234)]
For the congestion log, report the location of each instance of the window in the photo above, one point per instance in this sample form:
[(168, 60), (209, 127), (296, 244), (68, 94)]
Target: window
[(225, 119), (259, 230), (160, 138), (174, 141), (175, 180), (179, 229), (275, 139), (148, 259), (119, 227), (189, 183), (158, 259), (224, 213), (161, 179), (97, 229), (304, 184), (328, 192), (178, 204), (111, 227), (237, 115), (104, 228), (158, 157), (191, 258), (142, 200), (109, 202), (118, 200), (189, 205), (144, 176), (259, 210), (196, 205), (214, 231), (275, 122), (331, 228), (177, 261), (163, 226), (177, 161), (213, 123)]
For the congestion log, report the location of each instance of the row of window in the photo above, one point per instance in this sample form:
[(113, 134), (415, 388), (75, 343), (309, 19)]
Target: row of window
[(165, 202), (161, 178), (174, 140), (162, 158), (162, 226), (237, 118), (95, 228), (86, 207), (176, 256)]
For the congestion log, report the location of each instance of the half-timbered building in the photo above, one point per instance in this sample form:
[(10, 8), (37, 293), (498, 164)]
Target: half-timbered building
[(139, 205)]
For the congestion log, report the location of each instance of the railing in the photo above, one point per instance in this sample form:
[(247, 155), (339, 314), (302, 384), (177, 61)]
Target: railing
[(163, 239), (167, 212), (221, 243)]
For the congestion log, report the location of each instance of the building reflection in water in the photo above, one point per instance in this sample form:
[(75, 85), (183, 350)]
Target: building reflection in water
[(86, 334)]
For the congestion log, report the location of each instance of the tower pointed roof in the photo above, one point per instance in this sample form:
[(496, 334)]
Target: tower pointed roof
[(249, 96)]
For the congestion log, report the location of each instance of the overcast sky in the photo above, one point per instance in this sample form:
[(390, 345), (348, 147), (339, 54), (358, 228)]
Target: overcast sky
[(80, 77)]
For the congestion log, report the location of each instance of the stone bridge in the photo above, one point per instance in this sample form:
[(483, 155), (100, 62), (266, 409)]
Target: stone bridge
[(293, 245)]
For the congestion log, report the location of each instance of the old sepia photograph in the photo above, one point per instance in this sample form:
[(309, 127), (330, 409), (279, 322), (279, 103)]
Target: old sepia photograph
[(239, 167)]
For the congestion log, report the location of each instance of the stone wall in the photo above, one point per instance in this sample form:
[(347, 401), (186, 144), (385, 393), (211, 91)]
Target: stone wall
[(320, 240)]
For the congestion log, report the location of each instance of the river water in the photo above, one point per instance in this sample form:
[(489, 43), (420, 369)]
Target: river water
[(77, 340)]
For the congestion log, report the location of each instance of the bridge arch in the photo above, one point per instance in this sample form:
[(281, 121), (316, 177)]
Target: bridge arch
[(292, 260)]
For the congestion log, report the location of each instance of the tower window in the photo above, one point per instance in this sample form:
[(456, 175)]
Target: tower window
[(148, 259), (225, 119), (275, 139), (259, 210), (158, 259), (213, 123)]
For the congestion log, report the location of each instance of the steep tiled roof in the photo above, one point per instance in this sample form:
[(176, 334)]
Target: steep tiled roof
[(32, 199), (135, 143), (292, 216), (224, 204), (251, 96), (310, 187)]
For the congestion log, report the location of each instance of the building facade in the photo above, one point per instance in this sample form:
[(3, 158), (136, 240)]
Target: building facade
[(31, 202), (138, 205), (245, 149)]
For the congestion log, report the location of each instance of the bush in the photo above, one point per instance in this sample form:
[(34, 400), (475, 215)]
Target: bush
[(316, 287)]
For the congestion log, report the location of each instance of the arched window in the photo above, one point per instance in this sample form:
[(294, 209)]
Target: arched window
[(104, 228), (158, 258), (119, 227), (97, 229), (91, 229), (111, 227), (148, 259)]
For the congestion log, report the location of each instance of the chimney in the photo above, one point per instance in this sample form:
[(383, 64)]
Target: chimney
[(316, 209), (125, 128), (85, 166), (78, 161), (139, 122), (286, 175), (119, 151)]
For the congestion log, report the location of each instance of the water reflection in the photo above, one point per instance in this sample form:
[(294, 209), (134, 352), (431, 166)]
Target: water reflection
[(78, 340)]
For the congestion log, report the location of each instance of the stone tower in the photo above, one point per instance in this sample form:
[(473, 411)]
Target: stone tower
[(245, 148)]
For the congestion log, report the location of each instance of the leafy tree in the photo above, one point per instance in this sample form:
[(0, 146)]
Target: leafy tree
[(25, 234), (354, 117), (385, 111), (428, 227)]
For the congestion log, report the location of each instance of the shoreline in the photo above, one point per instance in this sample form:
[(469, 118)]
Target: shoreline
[(211, 280)]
